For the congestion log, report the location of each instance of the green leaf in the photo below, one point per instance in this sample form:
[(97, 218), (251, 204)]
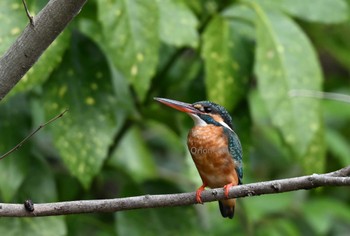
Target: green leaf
[(13, 21), (82, 83), (121, 87), (177, 24), (260, 208), (133, 155), (39, 186), (195, 5), (227, 61), (285, 61), (324, 213), (91, 224), (168, 148), (14, 126), (267, 140), (35, 226), (337, 42), (158, 221), (339, 146), (239, 13), (323, 11), (277, 227), (131, 39)]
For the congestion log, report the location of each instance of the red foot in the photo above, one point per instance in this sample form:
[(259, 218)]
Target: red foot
[(199, 192), (227, 188)]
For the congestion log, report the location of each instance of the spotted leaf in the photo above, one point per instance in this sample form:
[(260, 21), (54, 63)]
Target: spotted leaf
[(227, 61), (131, 38), (177, 24), (82, 83), (322, 11), (286, 61)]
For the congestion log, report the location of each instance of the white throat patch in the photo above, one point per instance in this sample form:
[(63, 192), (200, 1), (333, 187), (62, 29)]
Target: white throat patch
[(197, 121)]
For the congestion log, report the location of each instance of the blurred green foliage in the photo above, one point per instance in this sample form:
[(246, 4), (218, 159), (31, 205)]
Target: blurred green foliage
[(117, 55)]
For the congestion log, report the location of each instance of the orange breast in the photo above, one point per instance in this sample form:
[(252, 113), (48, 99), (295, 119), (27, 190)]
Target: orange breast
[(208, 146)]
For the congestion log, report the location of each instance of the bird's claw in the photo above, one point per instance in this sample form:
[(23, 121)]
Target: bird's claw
[(227, 189), (199, 192), (198, 197)]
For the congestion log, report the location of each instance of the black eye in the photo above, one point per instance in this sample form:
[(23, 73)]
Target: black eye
[(207, 109)]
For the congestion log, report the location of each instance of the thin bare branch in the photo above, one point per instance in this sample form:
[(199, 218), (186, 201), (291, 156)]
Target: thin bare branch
[(320, 95), (30, 17), (31, 134), (171, 200)]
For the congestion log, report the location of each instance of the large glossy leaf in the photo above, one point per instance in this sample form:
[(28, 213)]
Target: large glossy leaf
[(227, 61), (37, 226), (339, 146), (177, 24), (159, 221), (39, 186), (323, 213), (323, 11), (121, 87), (83, 84), (14, 126), (130, 33), (261, 207), (333, 40), (286, 61), (276, 227), (133, 156)]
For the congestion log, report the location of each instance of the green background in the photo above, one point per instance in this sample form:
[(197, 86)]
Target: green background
[(256, 58)]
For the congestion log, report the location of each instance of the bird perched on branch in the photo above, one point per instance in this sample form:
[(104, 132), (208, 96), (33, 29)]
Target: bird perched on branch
[(215, 148)]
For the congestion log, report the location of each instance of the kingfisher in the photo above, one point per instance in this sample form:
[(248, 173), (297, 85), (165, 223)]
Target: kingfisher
[(215, 148)]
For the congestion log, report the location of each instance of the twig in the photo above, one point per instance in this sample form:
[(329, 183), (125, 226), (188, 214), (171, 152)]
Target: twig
[(28, 13), (31, 134), (335, 178), (320, 95)]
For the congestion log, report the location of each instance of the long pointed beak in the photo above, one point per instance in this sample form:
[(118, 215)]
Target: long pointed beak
[(181, 106)]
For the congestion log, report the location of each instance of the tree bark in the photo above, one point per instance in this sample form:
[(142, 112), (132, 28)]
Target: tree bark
[(34, 40)]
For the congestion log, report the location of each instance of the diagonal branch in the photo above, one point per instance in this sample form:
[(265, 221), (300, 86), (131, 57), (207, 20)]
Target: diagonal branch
[(336, 178), (31, 135), (34, 40)]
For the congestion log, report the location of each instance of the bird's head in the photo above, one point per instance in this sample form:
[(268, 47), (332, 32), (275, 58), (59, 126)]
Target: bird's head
[(203, 112)]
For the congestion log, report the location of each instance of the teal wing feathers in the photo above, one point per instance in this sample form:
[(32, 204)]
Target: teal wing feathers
[(235, 149)]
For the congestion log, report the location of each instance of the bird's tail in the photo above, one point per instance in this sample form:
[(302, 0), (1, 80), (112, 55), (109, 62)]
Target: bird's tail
[(227, 208)]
